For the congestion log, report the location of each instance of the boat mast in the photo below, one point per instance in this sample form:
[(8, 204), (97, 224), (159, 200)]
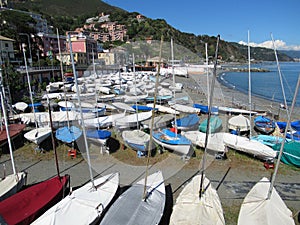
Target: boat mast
[(283, 141), (29, 86), (280, 77), (152, 118), (202, 189), (136, 106), (81, 114), (6, 125), (62, 78), (249, 81), (174, 91), (207, 74), (52, 137)]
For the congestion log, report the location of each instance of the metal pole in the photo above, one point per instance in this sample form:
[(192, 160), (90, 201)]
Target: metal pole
[(81, 115), (29, 46), (6, 121)]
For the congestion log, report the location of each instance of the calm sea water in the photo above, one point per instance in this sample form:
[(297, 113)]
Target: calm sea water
[(266, 84)]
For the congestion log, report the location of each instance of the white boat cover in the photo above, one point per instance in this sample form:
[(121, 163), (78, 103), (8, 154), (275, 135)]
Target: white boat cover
[(53, 96), (249, 146), (105, 105), (11, 184), (133, 99), (159, 121), (66, 104), (215, 140), (239, 122), (236, 110), (184, 108), (21, 106), (132, 119), (57, 117), (132, 209), (84, 205), (138, 137), (123, 106), (257, 209), (190, 209), (103, 121), (164, 109), (38, 135)]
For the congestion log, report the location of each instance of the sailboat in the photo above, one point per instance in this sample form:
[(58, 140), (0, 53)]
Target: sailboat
[(242, 124), (143, 202), (263, 205), (198, 202), (139, 211), (170, 138), (137, 139), (38, 134), (86, 204), (27, 205), (12, 183)]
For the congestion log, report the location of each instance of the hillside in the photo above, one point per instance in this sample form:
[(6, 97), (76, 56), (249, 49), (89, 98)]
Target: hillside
[(291, 53), (69, 14), (68, 8)]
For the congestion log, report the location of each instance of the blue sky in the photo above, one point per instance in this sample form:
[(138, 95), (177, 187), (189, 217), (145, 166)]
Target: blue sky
[(230, 18)]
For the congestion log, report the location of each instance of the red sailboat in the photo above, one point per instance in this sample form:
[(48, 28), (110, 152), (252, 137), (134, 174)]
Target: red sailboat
[(14, 131), (27, 205)]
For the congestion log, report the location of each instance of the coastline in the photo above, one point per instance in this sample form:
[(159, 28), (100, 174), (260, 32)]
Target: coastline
[(233, 98)]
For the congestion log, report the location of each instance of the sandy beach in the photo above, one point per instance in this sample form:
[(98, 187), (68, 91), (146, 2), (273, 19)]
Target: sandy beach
[(233, 177)]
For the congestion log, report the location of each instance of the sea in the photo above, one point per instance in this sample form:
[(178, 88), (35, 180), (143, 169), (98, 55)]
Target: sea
[(266, 85)]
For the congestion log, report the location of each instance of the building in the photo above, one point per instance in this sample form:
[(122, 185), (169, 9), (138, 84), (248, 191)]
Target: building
[(83, 47), (48, 44), (108, 58), (7, 49)]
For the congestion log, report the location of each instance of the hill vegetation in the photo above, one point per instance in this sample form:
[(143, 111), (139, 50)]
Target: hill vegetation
[(70, 14)]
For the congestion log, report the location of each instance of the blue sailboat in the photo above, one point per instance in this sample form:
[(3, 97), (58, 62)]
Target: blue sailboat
[(204, 109), (264, 124), (68, 134), (188, 122), (170, 139)]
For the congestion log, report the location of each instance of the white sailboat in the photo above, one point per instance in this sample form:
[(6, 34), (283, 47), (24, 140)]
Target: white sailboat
[(198, 202), (138, 210), (12, 183), (263, 205), (242, 124), (86, 204), (38, 134), (170, 138), (143, 202)]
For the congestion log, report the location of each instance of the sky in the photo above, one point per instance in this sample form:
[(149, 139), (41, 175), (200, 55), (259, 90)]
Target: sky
[(232, 19)]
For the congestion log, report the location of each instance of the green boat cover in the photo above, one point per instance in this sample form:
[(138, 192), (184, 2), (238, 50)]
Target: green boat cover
[(291, 153)]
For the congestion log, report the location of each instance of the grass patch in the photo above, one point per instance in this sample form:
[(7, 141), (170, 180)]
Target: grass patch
[(129, 156), (231, 213)]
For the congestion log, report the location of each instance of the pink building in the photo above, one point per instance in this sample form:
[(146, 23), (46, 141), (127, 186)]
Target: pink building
[(84, 46)]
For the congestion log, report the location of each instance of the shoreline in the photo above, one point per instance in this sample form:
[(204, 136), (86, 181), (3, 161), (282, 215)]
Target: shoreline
[(234, 98)]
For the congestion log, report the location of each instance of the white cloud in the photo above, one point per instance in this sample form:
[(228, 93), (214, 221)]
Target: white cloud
[(279, 44)]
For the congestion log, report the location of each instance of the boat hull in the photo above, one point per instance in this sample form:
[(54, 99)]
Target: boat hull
[(171, 141), (11, 184), (190, 209), (131, 208), (84, 205), (27, 205)]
